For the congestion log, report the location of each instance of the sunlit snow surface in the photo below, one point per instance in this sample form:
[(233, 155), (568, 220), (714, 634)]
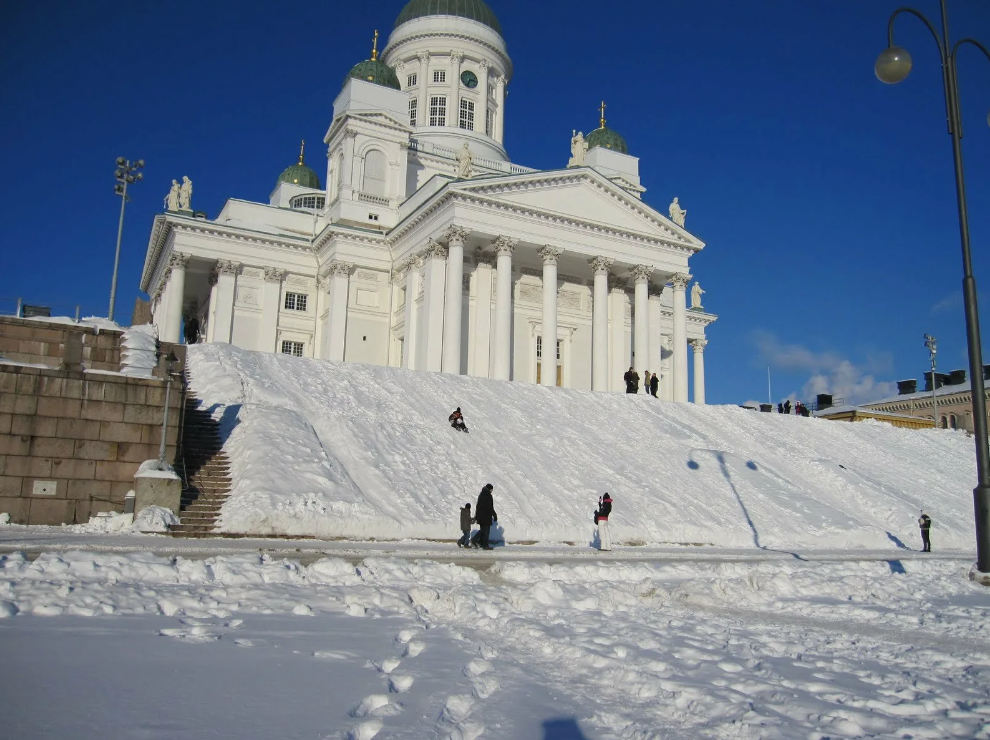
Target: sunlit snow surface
[(245, 646)]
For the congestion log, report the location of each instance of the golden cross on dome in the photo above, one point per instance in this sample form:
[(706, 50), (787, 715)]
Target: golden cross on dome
[(602, 109), (374, 47), (302, 148)]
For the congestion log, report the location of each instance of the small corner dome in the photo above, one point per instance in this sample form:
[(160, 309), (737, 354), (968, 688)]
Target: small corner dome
[(475, 10), (299, 174), (376, 72), (607, 139)]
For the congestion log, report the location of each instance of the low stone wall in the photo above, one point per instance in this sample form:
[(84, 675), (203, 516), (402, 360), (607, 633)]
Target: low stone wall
[(43, 343)]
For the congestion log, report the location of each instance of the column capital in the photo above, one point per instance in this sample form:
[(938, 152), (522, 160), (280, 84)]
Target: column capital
[(550, 254), (213, 277), (680, 280), (399, 66), (616, 284), (698, 345), (656, 290), (667, 342), (424, 56), (337, 268), (274, 275), (641, 273), (435, 250), (455, 235), (178, 259), (484, 258), (456, 57), (504, 245), (228, 267), (601, 265), (483, 65)]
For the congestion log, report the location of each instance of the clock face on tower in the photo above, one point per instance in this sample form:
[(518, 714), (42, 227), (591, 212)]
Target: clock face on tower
[(469, 79)]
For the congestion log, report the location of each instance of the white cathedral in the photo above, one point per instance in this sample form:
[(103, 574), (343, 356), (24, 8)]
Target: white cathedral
[(428, 249)]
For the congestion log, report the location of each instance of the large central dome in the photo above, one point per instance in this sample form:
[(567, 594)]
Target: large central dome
[(475, 10)]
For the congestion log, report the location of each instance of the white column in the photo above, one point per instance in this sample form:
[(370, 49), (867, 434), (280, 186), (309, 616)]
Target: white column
[(619, 352), (666, 374), (503, 307), (680, 281), (322, 299), (176, 297), (483, 87), (423, 106), (455, 88), (347, 176), (211, 311), (226, 287), (599, 324), (641, 319), (431, 342), (412, 292), (698, 345), (159, 303), (548, 365), (454, 300), (500, 111), (653, 341), (335, 328), (481, 332), (270, 305)]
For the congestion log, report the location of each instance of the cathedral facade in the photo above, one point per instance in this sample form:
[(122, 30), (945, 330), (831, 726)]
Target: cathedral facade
[(427, 248)]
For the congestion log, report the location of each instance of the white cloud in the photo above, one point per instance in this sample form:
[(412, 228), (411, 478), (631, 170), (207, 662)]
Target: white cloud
[(949, 303)]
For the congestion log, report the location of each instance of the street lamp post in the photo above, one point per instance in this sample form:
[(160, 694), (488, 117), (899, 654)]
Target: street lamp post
[(932, 345), (892, 66), (126, 174)]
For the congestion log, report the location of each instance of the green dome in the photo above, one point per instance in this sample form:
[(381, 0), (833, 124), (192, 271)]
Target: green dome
[(475, 10), (299, 174), (376, 71), (607, 138)]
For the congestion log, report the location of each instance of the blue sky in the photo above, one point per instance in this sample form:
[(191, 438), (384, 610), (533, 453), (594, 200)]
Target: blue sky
[(826, 199)]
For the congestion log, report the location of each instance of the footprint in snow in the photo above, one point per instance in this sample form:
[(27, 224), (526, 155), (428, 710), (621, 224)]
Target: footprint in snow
[(485, 686), (194, 634), (365, 730), (405, 636), (413, 649), (386, 666), (244, 643), (376, 705), (476, 667), (400, 684), (457, 708)]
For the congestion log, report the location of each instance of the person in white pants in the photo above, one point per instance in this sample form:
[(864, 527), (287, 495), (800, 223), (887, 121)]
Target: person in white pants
[(601, 519)]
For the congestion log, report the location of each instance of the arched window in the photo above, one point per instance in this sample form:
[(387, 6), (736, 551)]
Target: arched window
[(952, 421), (374, 173), (943, 423), (308, 202)]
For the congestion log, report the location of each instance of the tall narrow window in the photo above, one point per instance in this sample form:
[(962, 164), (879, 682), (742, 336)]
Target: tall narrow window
[(438, 110), (413, 106), (411, 80), (374, 173), (439, 75), (490, 123), (467, 115)]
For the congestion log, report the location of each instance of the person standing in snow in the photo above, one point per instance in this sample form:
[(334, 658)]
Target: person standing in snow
[(654, 385), (646, 382), (601, 519), (484, 514), (925, 522), (632, 380), (456, 420), (466, 521)]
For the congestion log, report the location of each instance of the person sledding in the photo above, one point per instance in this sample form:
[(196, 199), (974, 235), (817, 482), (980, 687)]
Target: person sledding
[(456, 420), (601, 519)]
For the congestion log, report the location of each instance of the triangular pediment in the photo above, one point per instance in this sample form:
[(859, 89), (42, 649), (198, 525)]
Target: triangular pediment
[(583, 196)]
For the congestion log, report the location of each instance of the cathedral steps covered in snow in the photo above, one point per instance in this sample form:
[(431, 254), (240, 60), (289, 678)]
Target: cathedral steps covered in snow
[(425, 247), (361, 451)]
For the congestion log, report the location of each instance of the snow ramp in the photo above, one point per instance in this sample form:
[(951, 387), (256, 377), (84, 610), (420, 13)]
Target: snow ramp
[(361, 451)]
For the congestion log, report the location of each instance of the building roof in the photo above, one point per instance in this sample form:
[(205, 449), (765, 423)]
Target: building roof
[(608, 139), (945, 390), (299, 174), (376, 72), (475, 10)]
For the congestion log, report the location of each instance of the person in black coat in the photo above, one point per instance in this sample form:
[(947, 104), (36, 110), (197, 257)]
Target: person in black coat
[(632, 380), (466, 521), (654, 385), (925, 522), (484, 514)]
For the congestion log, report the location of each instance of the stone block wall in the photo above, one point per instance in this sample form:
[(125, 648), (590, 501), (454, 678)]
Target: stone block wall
[(43, 343)]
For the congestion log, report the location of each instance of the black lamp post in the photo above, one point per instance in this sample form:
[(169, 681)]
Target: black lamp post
[(169, 365), (126, 174), (892, 66)]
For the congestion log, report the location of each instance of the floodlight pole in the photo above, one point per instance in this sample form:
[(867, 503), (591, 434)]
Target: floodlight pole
[(932, 345), (892, 66), (116, 256)]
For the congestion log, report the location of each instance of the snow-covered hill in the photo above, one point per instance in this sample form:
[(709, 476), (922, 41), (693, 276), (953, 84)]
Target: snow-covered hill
[(353, 450)]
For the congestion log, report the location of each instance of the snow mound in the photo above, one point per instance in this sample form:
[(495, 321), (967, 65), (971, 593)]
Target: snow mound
[(139, 352), (360, 451), (154, 519)]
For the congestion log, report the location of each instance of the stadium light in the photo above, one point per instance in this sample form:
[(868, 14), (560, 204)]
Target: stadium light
[(126, 174), (892, 66)]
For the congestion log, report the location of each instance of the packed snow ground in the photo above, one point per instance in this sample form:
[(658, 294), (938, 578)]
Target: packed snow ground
[(360, 451), (246, 646)]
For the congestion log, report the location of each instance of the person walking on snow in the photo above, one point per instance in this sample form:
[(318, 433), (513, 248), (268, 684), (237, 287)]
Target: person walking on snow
[(925, 522), (456, 420), (484, 514), (466, 522), (654, 385), (601, 519)]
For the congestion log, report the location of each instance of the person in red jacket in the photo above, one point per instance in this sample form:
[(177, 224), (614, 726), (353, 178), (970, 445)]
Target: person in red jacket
[(601, 519), (456, 420)]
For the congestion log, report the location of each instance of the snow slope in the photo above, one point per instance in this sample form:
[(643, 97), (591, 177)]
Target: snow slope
[(352, 450)]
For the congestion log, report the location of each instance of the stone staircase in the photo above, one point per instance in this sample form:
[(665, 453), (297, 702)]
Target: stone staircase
[(204, 467)]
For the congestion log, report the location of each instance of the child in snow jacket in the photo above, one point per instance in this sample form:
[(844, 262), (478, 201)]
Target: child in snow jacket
[(466, 522)]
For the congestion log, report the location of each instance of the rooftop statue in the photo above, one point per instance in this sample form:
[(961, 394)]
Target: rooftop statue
[(677, 214), (464, 161), (185, 194), (696, 292), (579, 147), (172, 199)]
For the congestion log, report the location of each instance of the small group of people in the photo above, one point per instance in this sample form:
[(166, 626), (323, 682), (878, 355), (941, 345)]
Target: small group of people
[(651, 382), (799, 408), (484, 516)]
